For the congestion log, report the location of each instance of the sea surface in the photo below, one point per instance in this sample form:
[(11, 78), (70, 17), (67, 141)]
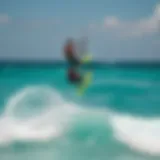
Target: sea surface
[(43, 118)]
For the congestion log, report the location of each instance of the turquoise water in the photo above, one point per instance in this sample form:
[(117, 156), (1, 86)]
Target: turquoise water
[(41, 116)]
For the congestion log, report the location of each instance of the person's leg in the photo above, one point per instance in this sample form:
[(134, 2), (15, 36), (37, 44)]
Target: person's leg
[(75, 78)]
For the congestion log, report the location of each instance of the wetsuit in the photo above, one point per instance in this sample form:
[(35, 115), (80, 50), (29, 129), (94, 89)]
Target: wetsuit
[(73, 75)]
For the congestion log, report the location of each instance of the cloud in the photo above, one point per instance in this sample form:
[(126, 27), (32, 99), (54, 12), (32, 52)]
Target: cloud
[(111, 22), (140, 27), (4, 18)]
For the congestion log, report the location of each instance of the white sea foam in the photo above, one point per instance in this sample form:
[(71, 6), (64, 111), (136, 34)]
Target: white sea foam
[(138, 133), (22, 121)]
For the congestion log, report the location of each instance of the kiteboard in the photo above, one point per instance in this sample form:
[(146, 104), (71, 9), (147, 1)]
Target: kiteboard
[(87, 77)]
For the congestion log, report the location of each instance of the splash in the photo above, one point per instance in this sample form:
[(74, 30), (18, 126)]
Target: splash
[(33, 99), (34, 114)]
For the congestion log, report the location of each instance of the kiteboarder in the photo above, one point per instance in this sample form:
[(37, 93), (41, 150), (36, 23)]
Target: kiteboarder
[(73, 61)]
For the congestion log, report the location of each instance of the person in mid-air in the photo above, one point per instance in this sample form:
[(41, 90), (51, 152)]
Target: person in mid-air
[(74, 62)]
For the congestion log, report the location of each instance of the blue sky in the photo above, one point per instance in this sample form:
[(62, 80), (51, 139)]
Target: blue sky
[(117, 29)]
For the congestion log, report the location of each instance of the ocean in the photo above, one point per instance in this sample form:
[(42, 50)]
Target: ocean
[(43, 118)]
